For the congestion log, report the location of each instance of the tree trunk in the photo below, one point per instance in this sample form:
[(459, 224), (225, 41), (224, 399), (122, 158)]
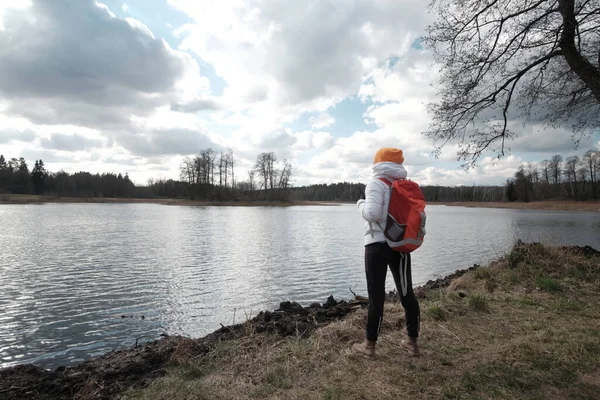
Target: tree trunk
[(589, 74)]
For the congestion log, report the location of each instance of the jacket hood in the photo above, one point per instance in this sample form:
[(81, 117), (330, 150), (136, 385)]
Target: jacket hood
[(388, 170)]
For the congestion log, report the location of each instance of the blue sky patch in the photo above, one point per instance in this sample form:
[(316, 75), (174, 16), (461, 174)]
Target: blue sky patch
[(348, 115), (163, 19), (158, 16), (417, 43)]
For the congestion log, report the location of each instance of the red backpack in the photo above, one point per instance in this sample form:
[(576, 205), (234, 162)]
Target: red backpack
[(405, 226)]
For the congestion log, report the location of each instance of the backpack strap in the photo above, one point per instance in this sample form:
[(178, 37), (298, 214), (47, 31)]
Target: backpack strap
[(387, 182)]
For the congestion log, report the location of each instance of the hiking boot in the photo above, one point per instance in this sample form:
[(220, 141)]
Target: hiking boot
[(365, 349), (411, 345)]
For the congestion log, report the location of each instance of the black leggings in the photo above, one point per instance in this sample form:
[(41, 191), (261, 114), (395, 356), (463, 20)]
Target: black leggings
[(377, 258)]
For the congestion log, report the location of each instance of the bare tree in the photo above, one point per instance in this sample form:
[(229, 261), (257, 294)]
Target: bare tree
[(592, 161), (284, 178), (570, 172), (251, 175), (205, 165), (523, 185), (503, 60), (262, 171), (532, 170), (544, 166), (582, 176), (187, 172), (265, 168), (226, 174), (222, 166), (555, 168), (230, 159)]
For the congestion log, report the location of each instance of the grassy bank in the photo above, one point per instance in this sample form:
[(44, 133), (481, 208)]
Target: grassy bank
[(534, 205), (40, 199), (526, 326)]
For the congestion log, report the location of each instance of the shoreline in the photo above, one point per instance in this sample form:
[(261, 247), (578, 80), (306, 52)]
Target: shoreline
[(143, 363), (121, 371), (555, 205), (42, 199)]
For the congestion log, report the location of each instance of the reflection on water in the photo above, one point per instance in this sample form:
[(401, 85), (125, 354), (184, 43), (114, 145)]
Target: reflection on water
[(70, 273)]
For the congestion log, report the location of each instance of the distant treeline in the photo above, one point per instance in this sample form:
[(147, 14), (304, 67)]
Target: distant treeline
[(574, 178), (210, 176), (15, 177), (343, 191), (350, 192)]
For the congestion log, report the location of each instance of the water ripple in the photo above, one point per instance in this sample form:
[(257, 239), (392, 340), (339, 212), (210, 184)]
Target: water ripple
[(82, 279)]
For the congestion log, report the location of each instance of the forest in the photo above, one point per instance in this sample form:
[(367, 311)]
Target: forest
[(574, 178), (210, 176), (17, 178)]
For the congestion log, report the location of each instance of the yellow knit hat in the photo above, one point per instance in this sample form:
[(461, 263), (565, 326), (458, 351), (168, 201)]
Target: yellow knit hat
[(389, 154)]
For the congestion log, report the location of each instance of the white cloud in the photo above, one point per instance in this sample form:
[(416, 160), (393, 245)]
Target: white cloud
[(7, 9), (305, 55), (407, 78), (101, 78), (134, 23), (13, 135), (99, 71), (322, 120), (110, 94), (71, 142), (308, 140), (199, 104), (539, 138), (489, 171)]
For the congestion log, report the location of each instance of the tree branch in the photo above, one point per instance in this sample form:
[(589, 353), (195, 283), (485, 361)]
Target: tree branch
[(578, 63), (487, 61), (492, 96), (475, 17), (499, 52)]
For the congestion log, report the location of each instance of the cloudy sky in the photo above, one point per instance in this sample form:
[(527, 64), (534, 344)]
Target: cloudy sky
[(136, 86)]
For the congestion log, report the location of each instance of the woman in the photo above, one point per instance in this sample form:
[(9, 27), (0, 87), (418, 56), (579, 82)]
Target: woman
[(378, 255)]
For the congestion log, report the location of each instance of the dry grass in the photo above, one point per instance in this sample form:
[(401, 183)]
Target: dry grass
[(493, 334), (90, 390), (534, 205)]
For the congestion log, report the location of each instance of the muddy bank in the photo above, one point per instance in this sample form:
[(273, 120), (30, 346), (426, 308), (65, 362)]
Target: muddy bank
[(107, 376)]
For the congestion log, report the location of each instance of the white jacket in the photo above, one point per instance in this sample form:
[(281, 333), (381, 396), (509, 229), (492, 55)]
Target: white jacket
[(374, 207)]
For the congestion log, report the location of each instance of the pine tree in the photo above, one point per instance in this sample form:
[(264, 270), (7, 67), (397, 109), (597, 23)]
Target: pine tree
[(38, 177), (5, 175)]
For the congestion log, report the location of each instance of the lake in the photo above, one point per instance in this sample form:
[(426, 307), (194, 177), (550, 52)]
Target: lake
[(70, 273)]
